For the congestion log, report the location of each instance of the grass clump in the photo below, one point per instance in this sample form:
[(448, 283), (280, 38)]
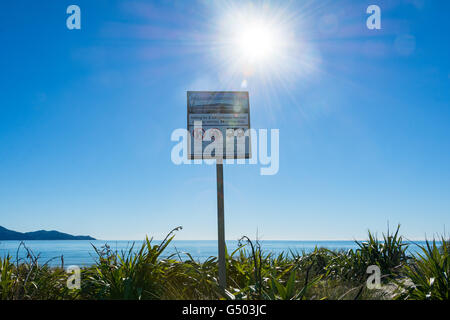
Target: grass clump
[(428, 273), (30, 280), (128, 275)]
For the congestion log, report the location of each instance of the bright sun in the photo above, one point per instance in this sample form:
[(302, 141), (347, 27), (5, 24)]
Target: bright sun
[(253, 40), (261, 43), (257, 43)]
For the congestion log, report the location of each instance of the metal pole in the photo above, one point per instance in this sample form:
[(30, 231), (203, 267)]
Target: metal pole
[(221, 226)]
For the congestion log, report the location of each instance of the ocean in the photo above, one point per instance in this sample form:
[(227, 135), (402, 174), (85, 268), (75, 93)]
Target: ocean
[(82, 252)]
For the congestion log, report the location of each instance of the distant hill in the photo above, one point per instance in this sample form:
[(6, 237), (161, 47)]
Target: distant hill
[(6, 234)]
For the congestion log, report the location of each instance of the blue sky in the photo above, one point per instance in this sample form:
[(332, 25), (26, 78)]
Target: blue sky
[(86, 118)]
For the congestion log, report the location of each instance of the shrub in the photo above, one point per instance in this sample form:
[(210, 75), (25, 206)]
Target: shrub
[(429, 273), (128, 275), (390, 255)]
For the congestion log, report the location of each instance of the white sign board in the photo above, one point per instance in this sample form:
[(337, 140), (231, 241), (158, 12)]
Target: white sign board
[(218, 123)]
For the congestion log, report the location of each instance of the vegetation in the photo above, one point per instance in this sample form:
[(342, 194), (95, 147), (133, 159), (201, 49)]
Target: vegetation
[(429, 274), (253, 274)]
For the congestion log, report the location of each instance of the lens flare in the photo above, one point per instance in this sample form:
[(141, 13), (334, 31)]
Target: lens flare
[(261, 44)]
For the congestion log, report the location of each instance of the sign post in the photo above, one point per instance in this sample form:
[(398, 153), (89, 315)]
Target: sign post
[(221, 226), (215, 117)]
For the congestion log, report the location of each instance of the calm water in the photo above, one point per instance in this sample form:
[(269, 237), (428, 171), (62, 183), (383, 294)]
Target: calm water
[(82, 253)]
